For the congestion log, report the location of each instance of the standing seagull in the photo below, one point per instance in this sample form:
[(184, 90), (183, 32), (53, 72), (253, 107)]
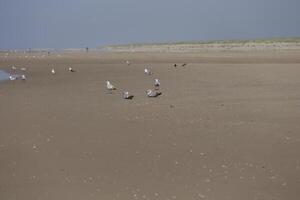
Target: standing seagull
[(53, 71), (71, 69), (13, 67), (110, 86), (128, 62), (126, 95), (23, 77), (147, 71), (156, 84), (151, 93)]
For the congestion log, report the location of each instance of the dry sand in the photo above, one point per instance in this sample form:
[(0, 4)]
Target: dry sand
[(227, 127)]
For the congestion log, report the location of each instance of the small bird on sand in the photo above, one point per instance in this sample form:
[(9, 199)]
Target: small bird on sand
[(156, 84), (151, 93), (110, 86), (13, 67), (184, 64), (53, 71), (23, 77), (175, 65), (127, 95), (23, 69), (128, 62), (71, 69), (12, 78), (147, 71)]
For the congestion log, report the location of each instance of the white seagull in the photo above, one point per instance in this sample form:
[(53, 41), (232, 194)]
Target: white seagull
[(156, 83), (23, 69), (151, 93), (71, 70), (110, 86), (128, 62), (147, 71), (127, 95), (53, 71), (23, 77), (12, 78), (13, 67)]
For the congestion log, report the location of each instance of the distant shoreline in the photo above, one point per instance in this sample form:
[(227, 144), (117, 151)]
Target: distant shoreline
[(213, 45), (270, 40), (292, 43)]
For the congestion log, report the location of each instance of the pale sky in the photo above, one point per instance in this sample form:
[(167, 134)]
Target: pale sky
[(79, 23)]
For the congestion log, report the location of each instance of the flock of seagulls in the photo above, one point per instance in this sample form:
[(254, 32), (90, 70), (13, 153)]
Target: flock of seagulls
[(23, 76), (109, 86), (16, 76), (149, 92), (126, 95)]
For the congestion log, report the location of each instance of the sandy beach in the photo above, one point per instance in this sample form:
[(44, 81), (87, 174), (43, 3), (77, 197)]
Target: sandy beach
[(226, 126)]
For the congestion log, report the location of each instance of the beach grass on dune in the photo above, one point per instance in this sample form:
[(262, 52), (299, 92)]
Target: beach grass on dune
[(235, 41)]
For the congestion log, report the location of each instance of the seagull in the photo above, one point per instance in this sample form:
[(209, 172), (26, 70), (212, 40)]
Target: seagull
[(23, 77), (128, 62), (71, 70), (12, 78), (156, 83), (147, 71), (109, 86), (13, 67), (23, 69), (151, 93), (53, 71), (126, 95)]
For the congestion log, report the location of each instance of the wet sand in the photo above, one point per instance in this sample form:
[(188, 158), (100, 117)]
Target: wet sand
[(226, 127)]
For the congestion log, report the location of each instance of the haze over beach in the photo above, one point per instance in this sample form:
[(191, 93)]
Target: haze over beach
[(60, 24), (151, 100)]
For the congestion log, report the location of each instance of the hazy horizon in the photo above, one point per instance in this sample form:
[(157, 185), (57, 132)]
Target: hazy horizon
[(78, 23)]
